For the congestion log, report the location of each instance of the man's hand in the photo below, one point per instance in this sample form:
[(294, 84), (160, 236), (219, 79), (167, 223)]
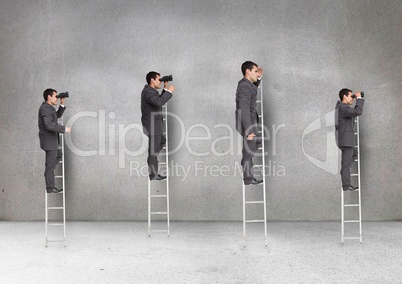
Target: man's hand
[(68, 129), (251, 136), (260, 72), (171, 88), (358, 95), (62, 101)]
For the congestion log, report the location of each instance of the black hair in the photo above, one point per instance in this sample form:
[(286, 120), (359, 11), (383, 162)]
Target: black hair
[(151, 75), (48, 92), (247, 65), (343, 92)]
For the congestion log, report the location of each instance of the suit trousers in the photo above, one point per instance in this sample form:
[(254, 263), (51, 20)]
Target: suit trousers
[(155, 145), (250, 147), (349, 154), (52, 159)]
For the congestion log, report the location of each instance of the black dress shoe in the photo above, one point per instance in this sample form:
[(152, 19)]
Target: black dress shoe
[(253, 181), (55, 190), (158, 177), (350, 188)]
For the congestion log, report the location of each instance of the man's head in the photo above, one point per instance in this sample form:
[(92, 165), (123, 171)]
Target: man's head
[(153, 80), (250, 71), (49, 95), (345, 96)]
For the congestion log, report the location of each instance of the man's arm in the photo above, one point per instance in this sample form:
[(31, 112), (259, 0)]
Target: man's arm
[(346, 111), (158, 100), (50, 124), (244, 109)]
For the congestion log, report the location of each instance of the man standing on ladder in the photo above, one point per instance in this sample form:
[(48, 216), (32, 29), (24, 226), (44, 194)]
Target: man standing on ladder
[(152, 119), (247, 118), (345, 136), (49, 131)]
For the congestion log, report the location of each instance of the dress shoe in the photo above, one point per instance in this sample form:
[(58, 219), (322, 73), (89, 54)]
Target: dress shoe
[(158, 177), (350, 188), (55, 190), (254, 181)]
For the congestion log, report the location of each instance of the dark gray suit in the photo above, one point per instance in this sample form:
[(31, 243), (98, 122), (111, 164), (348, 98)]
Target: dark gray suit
[(152, 123), (48, 137), (345, 136), (247, 123)]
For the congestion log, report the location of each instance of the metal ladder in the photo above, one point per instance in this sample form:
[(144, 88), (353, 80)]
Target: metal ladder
[(262, 169), (151, 195), (353, 205), (63, 207)]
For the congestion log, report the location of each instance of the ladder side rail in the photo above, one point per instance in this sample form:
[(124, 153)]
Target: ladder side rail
[(359, 177), (46, 218), (244, 214), (167, 171), (149, 207), (263, 162), (63, 181)]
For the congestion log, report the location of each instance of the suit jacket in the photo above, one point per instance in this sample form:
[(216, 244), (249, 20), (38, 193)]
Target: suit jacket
[(344, 122), (48, 126), (246, 113), (151, 109)]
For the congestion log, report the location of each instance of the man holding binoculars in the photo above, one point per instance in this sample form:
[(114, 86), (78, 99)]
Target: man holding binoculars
[(344, 132), (49, 130), (152, 118)]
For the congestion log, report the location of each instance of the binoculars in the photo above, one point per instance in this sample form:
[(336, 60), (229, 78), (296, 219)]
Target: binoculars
[(62, 95), (166, 78), (362, 93)]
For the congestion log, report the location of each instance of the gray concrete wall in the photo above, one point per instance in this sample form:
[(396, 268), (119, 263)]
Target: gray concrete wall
[(100, 51)]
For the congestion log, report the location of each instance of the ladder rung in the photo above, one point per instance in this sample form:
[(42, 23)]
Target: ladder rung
[(351, 238), (254, 202), (351, 221), (159, 195), (55, 241), (351, 205), (162, 163), (354, 175), (158, 213), (159, 231), (56, 224), (58, 176), (254, 221), (55, 208), (356, 160), (257, 166)]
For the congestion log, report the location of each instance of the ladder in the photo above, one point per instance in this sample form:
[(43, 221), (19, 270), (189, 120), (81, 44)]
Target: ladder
[(353, 205), (247, 203), (154, 195), (57, 208)]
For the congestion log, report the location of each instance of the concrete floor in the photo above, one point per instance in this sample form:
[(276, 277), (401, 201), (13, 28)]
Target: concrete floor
[(201, 252)]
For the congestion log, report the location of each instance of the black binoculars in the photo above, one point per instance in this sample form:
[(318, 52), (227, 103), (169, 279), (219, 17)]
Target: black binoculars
[(62, 95), (166, 78), (362, 93)]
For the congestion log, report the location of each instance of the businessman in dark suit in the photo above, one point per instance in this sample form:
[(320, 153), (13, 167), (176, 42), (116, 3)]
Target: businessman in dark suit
[(152, 119), (344, 132), (247, 117), (49, 130)]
